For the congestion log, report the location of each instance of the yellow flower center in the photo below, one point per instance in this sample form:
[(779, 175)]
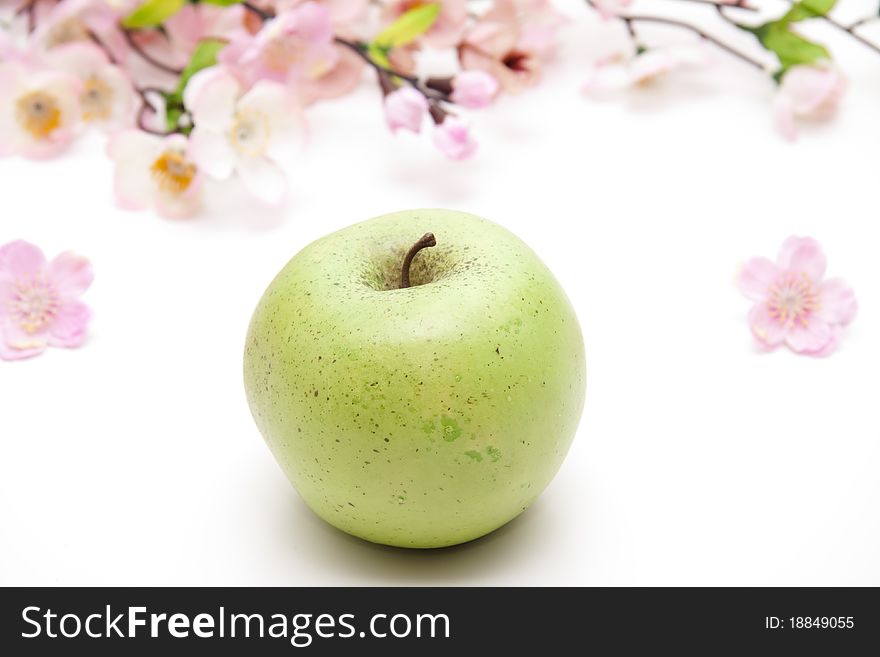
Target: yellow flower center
[(33, 303), (282, 53), (793, 299), (172, 172), (96, 100), (38, 113), (250, 133), (69, 31)]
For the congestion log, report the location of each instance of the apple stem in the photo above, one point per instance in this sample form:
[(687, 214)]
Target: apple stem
[(425, 241)]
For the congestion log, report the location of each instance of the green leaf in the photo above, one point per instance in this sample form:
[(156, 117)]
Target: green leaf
[(152, 13), (791, 48), (222, 3), (409, 27), (379, 55), (806, 9), (172, 117), (203, 56)]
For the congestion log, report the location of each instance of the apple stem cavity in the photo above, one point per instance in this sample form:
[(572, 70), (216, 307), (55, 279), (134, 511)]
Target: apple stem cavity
[(425, 241)]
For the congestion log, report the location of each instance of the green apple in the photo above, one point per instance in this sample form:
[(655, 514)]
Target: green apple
[(418, 416)]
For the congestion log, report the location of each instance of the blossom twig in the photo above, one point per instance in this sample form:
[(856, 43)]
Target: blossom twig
[(849, 29), (257, 11), (145, 107), (660, 20), (739, 4), (147, 57), (30, 9)]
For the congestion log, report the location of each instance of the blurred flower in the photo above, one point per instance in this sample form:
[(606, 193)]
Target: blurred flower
[(453, 138), (107, 96), (73, 21), (447, 28), (807, 92), (195, 22), (510, 41), (38, 110), (474, 89), (405, 108), (341, 11), (792, 302), (155, 172), (241, 132), (624, 70), (341, 78), (294, 46), (39, 301)]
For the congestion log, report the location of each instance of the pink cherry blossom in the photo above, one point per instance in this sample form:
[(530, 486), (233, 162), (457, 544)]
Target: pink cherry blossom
[(81, 20), (474, 89), (510, 42), (623, 70), (807, 92), (453, 138), (243, 132), (195, 22), (38, 110), (793, 304), (341, 78), (294, 46), (341, 11), (446, 30), (155, 172), (107, 97), (39, 300), (405, 109)]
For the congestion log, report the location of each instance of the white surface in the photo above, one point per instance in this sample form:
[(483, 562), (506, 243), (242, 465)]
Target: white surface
[(134, 460)]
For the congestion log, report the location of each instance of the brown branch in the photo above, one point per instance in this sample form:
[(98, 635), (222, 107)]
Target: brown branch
[(849, 29), (145, 107), (630, 18), (147, 57)]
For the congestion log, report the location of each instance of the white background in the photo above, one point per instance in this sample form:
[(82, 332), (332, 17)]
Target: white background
[(699, 460)]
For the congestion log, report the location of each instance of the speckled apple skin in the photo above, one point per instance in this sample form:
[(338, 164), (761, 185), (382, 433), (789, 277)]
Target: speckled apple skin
[(420, 417)]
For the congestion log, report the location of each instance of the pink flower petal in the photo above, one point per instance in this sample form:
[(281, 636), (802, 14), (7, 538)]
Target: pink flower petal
[(212, 153), (811, 339), (783, 117), (69, 327), (276, 103), (78, 58), (802, 255), (210, 97), (833, 343), (70, 274), (263, 178), (182, 206), (123, 114), (810, 86), (345, 11), (338, 81), (133, 151), (765, 328), (20, 259), (839, 304), (405, 109), (755, 277), (16, 345), (312, 21), (454, 139), (474, 89)]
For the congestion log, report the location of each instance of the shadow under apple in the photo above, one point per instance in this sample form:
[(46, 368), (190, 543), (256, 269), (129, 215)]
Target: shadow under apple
[(476, 562)]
